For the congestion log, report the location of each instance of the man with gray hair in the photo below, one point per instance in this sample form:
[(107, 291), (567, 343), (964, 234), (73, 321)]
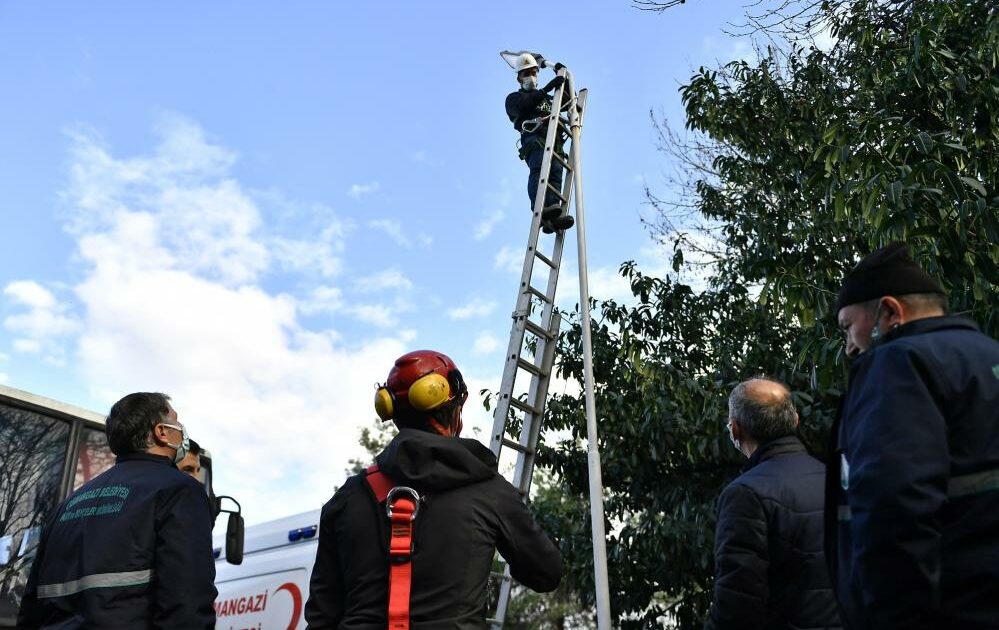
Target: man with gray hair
[(769, 566)]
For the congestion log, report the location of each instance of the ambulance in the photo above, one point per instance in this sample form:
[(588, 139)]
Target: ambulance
[(269, 588)]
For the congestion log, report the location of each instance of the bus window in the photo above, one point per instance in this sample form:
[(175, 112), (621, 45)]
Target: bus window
[(93, 457), (32, 454)]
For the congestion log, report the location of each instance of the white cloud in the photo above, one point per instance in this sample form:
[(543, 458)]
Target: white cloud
[(509, 259), (172, 252), (4, 357), (43, 324), (485, 227), (4, 379), (27, 346), (356, 191), (322, 300), (477, 307), (485, 343), (394, 230), (385, 280), (321, 256)]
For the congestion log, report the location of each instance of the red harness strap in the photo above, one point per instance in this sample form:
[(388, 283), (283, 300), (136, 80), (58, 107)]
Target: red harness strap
[(401, 504)]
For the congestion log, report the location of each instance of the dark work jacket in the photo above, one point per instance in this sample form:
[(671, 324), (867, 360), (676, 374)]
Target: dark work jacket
[(129, 550), (912, 513), (467, 512), (769, 567), (527, 104)]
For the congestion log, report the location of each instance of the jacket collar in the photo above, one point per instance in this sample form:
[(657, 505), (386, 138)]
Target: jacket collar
[(927, 324), (145, 457), (774, 448)]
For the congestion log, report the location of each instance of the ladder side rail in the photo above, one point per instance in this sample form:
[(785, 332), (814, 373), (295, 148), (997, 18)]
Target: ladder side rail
[(530, 434), (524, 296)]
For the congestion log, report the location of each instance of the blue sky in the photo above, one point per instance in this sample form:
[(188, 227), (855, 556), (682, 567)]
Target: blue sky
[(257, 206)]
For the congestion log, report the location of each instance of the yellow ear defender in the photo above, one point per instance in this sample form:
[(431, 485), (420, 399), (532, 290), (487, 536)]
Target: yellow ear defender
[(425, 394)]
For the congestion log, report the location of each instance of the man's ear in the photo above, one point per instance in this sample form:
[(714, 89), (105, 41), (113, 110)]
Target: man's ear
[(159, 434), (736, 429), (893, 311), (797, 420)]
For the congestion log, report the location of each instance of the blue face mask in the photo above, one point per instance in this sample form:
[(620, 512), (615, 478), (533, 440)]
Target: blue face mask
[(185, 443)]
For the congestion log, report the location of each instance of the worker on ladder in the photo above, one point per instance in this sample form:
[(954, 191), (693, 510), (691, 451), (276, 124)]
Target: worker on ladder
[(529, 109), (410, 541)]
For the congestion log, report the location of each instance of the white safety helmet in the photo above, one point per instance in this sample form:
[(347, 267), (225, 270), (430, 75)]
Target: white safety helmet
[(526, 61)]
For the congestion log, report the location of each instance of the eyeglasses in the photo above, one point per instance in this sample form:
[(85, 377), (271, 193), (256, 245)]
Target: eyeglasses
[(172, 426)]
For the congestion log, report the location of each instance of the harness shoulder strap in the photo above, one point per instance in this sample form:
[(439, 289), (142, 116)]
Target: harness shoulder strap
[(379, 482), (401, 504)]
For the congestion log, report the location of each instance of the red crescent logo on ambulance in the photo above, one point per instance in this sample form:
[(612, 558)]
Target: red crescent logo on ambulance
[(296, 597)]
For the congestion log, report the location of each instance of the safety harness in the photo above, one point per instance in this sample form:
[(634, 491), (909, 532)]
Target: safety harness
[(402, 505)]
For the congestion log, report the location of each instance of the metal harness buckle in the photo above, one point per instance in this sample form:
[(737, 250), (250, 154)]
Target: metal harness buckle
[(399, 490)]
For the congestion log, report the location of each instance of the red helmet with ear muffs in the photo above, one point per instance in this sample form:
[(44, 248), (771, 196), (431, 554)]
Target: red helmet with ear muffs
[(422, 383)]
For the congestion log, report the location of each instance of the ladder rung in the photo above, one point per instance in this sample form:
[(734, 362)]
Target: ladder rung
[(538, 294), (530, 367), (499, 575), (523, 406), (545, 259), (517, 446), (562, 161), (558, 193), (537, 330)]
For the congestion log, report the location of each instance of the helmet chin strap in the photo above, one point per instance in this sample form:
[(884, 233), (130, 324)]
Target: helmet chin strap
[(441, 425)]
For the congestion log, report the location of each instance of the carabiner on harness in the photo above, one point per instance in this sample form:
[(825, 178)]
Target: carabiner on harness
[(532, 125)]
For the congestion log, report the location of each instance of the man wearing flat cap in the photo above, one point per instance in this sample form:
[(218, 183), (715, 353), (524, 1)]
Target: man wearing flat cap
[(912, 488)]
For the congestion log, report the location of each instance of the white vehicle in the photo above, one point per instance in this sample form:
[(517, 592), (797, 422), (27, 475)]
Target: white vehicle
[(48, 449), (268, 590)]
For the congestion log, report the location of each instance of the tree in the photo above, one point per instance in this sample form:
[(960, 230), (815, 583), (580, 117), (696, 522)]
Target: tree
[(795, 165)]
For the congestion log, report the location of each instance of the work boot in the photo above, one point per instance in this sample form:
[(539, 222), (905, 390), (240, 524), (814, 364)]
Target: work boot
[(558, 224), (549, 213)]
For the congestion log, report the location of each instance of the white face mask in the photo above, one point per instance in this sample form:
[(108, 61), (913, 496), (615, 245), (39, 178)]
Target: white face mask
[(530, 82)]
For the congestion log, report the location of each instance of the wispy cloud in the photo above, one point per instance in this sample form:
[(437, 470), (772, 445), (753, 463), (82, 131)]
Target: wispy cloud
[(398, 234), (356, 191), (485, 227), (382, 281), (44, 322), (509, 259), (476, 307), (485, 343)]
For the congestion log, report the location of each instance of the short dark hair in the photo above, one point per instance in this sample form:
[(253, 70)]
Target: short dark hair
[(132, 418), (194, 447), (763, 418)]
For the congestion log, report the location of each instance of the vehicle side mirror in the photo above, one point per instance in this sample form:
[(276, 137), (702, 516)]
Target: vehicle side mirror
[(234, 539), (233, 530)]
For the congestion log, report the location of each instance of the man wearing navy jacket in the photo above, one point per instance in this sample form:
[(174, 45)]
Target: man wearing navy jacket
[(912, 487), (131, 549)]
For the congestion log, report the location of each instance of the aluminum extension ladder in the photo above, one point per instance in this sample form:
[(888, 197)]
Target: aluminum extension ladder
[(534, 355)]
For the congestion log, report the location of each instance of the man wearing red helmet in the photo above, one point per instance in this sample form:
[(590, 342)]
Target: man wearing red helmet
[(430, 568)]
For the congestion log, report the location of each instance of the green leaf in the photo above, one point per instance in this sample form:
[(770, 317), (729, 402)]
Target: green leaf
[(975, 184), (924, 142), (895, 192)]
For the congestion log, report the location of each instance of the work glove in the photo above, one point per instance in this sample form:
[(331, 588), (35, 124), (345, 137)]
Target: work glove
[(554, 84), (558, 67)]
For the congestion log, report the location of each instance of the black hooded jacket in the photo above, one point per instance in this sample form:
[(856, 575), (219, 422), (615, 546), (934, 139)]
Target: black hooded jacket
[(769, 567), (468, 511)]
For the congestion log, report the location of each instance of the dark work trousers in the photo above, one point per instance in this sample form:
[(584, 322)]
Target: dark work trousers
[(534, 159)]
